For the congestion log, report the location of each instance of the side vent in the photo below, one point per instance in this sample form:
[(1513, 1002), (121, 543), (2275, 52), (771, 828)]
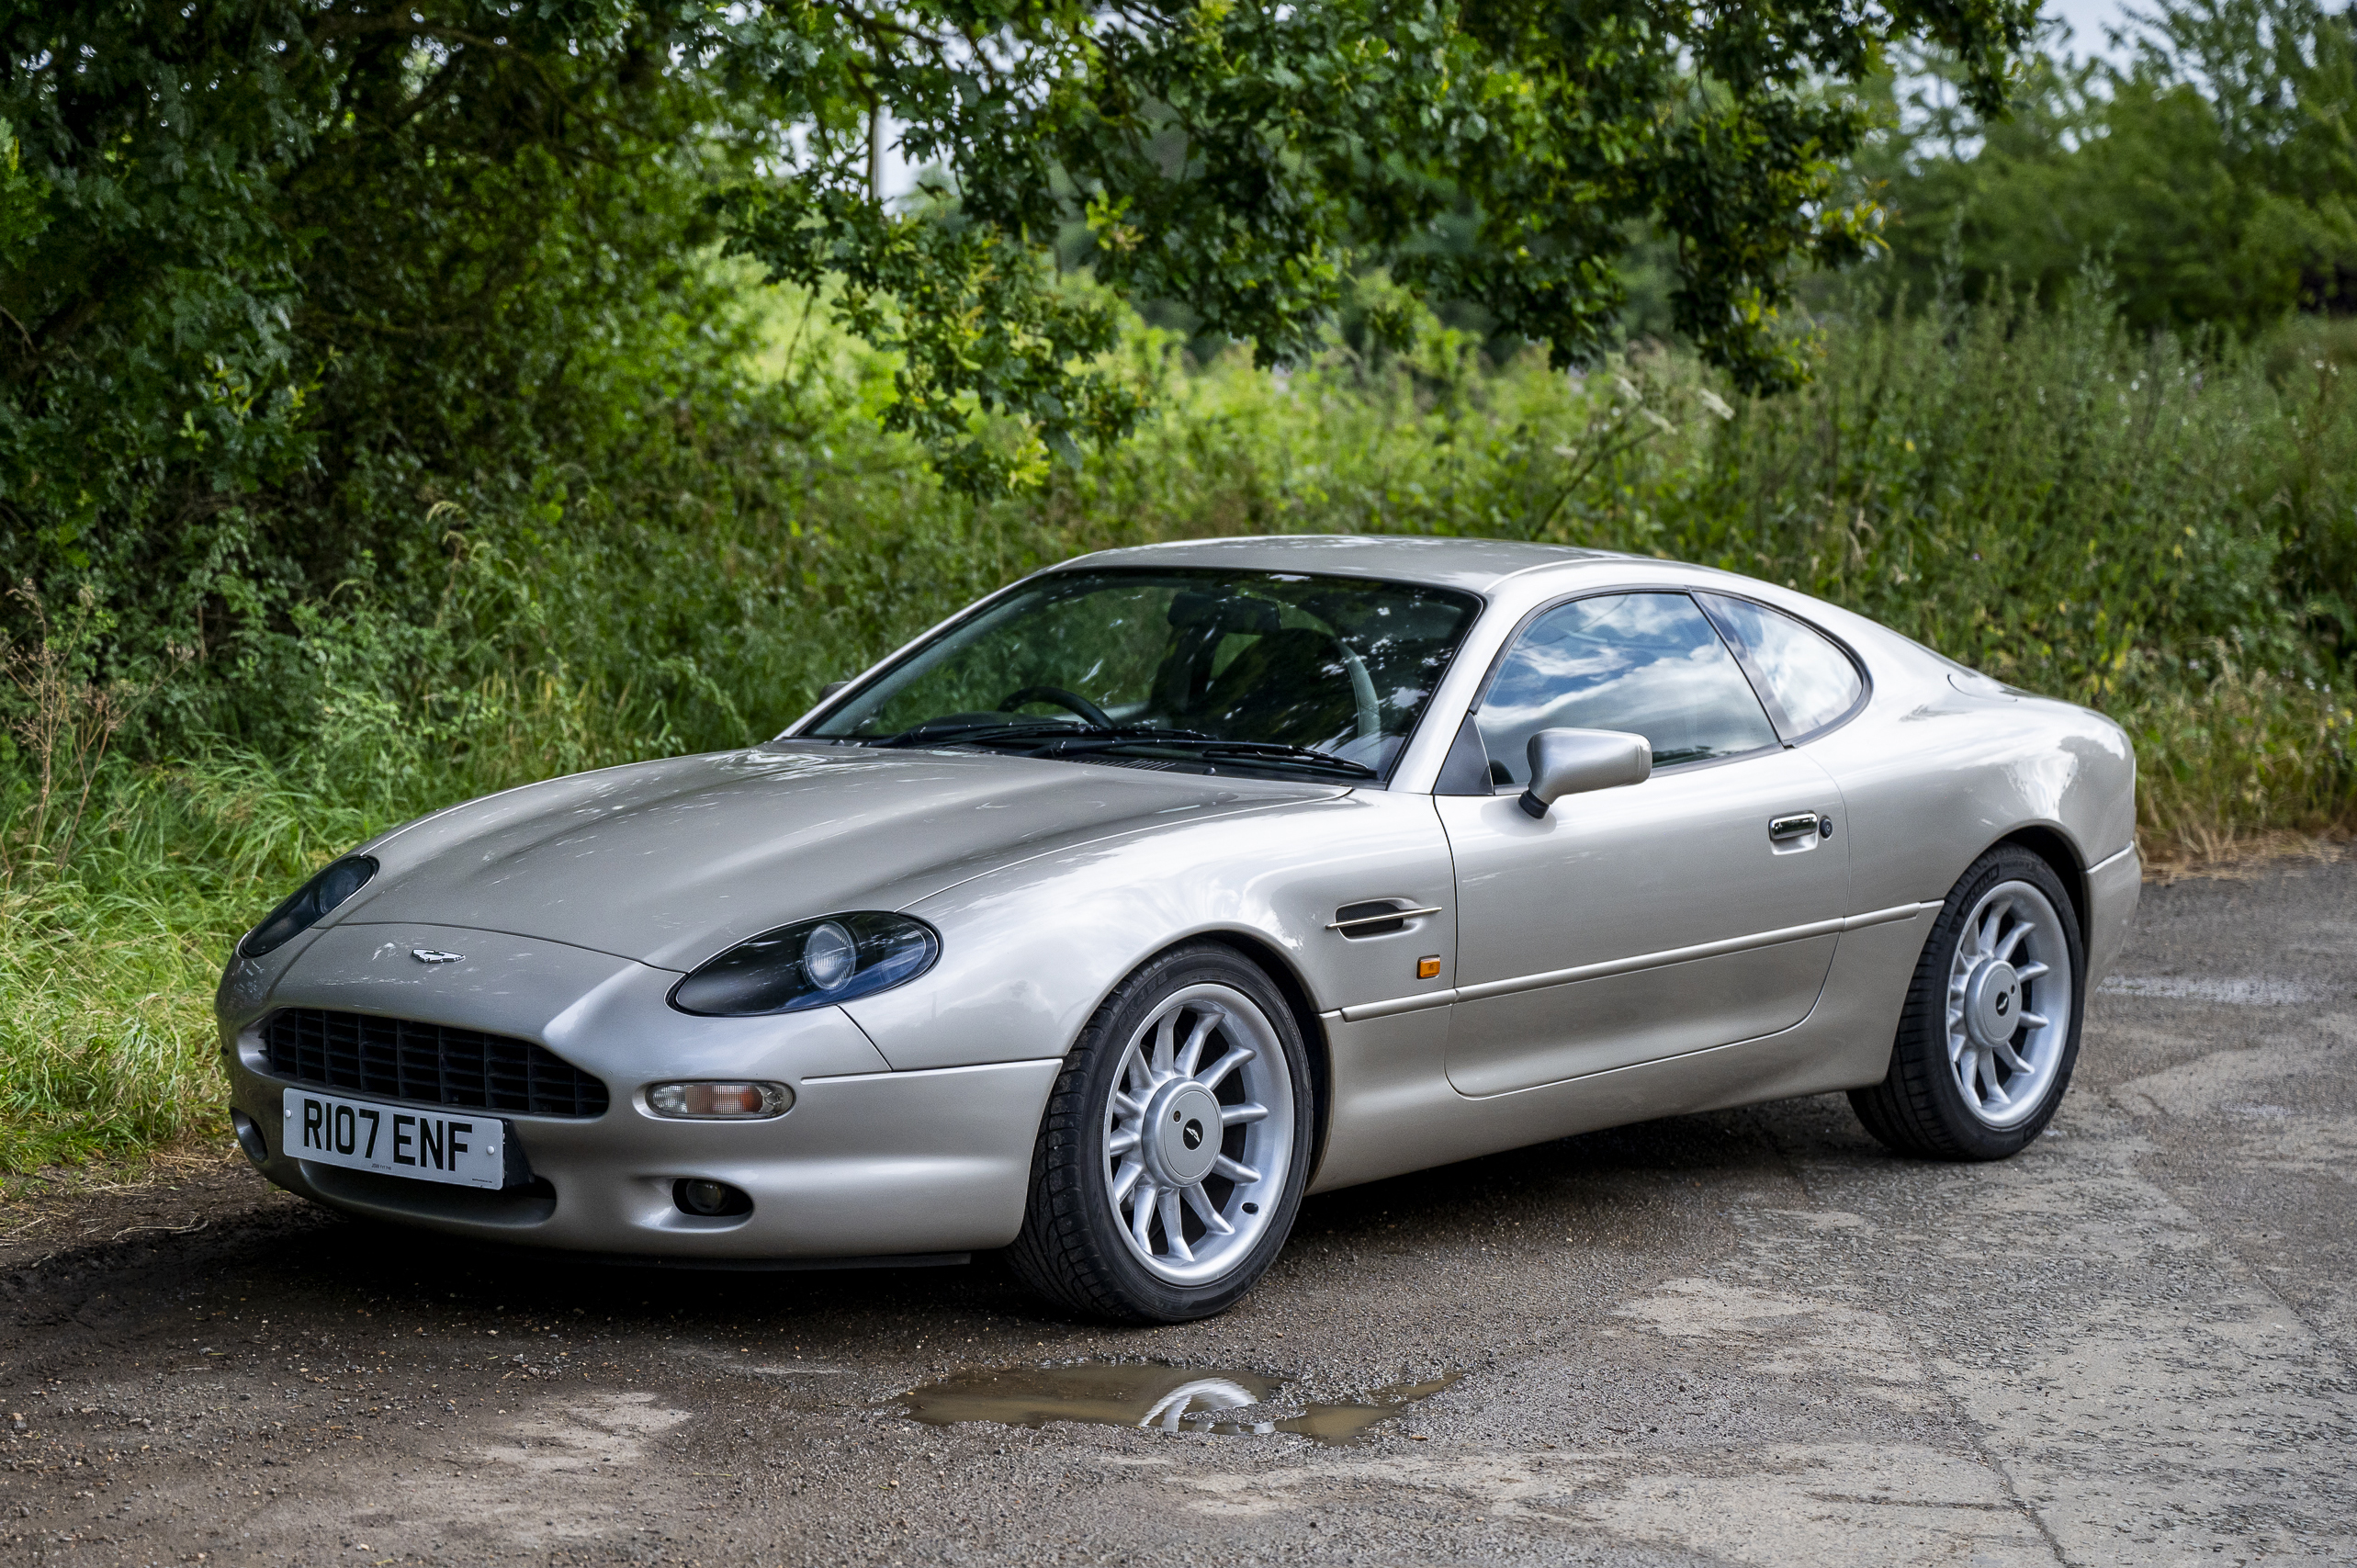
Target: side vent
[(1379, 917)]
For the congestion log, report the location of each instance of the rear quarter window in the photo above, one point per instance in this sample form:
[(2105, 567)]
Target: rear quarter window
[(1807, 675)]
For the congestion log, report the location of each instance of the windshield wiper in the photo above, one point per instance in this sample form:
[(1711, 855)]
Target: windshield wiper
[(1212, 746), (1065, 738), (976, 732), (1286, 751), (928, 734)]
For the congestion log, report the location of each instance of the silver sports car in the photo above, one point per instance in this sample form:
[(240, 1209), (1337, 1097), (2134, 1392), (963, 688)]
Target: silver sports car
[(1110, 917)]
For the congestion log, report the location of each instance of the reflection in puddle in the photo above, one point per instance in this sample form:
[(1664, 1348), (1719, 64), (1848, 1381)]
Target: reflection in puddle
[(1146, 1393)]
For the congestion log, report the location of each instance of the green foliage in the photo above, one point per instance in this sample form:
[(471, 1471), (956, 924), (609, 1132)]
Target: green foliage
[(2215, 178), (282, 276), (2046, 494), (21, 218), (973, 320), (290, 289), (1243, 162)]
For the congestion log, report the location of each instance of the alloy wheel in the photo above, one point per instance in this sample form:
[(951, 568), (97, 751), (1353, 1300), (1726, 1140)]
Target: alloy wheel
[(2009, 1004), (1198, 1134)]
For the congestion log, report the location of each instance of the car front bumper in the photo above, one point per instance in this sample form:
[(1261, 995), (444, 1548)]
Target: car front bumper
[(868, 1163)]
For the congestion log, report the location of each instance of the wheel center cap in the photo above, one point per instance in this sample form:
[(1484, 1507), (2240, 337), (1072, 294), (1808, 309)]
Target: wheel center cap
[(1185, 1138), (1992, 1003)]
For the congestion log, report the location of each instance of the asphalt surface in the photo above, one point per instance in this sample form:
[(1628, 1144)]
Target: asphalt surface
[(1751, 1338)]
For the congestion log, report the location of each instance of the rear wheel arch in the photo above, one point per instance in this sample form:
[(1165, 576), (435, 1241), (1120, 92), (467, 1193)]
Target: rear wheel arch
[(2051, 846), (1926, 1105)]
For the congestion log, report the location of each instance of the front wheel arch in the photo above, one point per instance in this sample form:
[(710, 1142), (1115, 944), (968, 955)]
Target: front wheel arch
[(1102, 1228), (1256, 951)]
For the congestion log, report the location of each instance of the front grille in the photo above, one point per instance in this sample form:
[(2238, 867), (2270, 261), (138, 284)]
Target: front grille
[(429, 1062)]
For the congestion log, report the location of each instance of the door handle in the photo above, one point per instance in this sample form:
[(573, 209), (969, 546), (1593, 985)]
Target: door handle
[(1799, 824)]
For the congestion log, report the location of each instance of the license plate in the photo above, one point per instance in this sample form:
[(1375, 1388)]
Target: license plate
[(393, 1140)]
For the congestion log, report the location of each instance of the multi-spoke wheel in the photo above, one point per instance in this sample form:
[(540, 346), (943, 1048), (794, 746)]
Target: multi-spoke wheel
[(1171, 1157), (2009, 1003), (1199, 1132), (1991, 1031)]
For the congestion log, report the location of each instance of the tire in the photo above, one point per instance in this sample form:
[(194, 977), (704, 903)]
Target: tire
[(1084, 1245), (1959, 1087)]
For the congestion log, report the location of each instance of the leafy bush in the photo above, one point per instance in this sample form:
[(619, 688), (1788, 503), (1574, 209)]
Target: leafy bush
[(2043, 494), (2213, 171)]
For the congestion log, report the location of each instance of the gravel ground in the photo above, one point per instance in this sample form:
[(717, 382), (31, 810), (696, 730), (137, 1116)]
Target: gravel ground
[(1750, 1338)]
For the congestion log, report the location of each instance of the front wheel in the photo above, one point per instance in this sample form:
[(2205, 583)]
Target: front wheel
[(1175, 1148), (1991, 1031)]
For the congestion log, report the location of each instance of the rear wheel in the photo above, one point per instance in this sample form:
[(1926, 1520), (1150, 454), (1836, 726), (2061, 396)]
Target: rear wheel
[(1175, 1148), (1990, 1033)]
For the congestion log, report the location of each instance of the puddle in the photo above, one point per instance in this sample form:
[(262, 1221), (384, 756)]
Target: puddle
[(1147, 1394)]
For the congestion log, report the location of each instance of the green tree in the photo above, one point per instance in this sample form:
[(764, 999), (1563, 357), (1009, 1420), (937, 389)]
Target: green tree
[(1244, 160), (2214, 178), (283, 276), (292, 273)]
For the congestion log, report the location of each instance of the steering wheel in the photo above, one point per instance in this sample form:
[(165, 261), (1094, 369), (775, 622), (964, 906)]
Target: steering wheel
[(1096, 716)]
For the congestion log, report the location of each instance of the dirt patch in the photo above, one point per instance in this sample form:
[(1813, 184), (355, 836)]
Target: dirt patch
[(1750, 1336), (178, 1192)]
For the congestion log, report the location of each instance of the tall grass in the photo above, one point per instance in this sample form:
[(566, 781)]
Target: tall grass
[(2121, 521)]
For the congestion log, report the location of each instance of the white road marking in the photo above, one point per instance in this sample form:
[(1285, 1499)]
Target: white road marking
[(2236, 992)]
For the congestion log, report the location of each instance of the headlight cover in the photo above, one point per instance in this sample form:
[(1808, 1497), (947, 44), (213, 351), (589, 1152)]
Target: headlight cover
[(309, 905), (811, 963)]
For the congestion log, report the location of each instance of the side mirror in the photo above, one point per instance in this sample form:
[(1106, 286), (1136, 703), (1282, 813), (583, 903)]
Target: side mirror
[(1572, 761), (830, 688)]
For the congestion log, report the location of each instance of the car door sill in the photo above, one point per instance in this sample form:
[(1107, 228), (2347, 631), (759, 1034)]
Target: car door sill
[(1361, 1011)]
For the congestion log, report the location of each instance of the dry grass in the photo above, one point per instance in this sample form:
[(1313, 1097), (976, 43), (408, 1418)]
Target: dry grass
[(2239, 856), (27, 1196), (2240, 766)]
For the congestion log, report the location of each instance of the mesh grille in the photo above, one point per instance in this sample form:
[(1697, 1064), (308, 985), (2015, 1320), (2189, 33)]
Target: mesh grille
[(429, 1062)]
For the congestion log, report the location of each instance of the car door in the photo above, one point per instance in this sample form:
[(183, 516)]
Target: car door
[(1626, 925)]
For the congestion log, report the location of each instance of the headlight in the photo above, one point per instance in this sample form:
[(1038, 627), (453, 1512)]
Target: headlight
[(309, 905), (815, 964)]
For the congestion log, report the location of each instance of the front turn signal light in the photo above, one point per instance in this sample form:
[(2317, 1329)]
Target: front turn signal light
[(719, 1101)]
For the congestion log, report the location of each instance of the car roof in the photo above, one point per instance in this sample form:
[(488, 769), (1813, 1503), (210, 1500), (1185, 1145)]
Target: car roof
[(1475, 564)]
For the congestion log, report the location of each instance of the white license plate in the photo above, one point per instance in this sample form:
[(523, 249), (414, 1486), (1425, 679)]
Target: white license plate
[(394, 1140)]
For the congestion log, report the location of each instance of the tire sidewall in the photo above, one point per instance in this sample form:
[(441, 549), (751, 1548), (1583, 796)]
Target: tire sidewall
[(1927, 1009), (1089, 1073)]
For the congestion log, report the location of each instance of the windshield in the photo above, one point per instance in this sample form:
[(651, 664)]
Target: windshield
[(1205, 670)]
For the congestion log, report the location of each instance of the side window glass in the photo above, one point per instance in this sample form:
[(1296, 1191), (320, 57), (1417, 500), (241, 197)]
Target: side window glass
[(1646, 663), (1806, 675)]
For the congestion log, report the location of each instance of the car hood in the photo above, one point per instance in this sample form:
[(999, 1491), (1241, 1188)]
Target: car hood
[(670, 863)]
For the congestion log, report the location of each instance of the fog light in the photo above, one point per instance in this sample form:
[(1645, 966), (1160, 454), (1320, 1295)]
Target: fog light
[(710, 1199), (249, 1136), (719, 1101)]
